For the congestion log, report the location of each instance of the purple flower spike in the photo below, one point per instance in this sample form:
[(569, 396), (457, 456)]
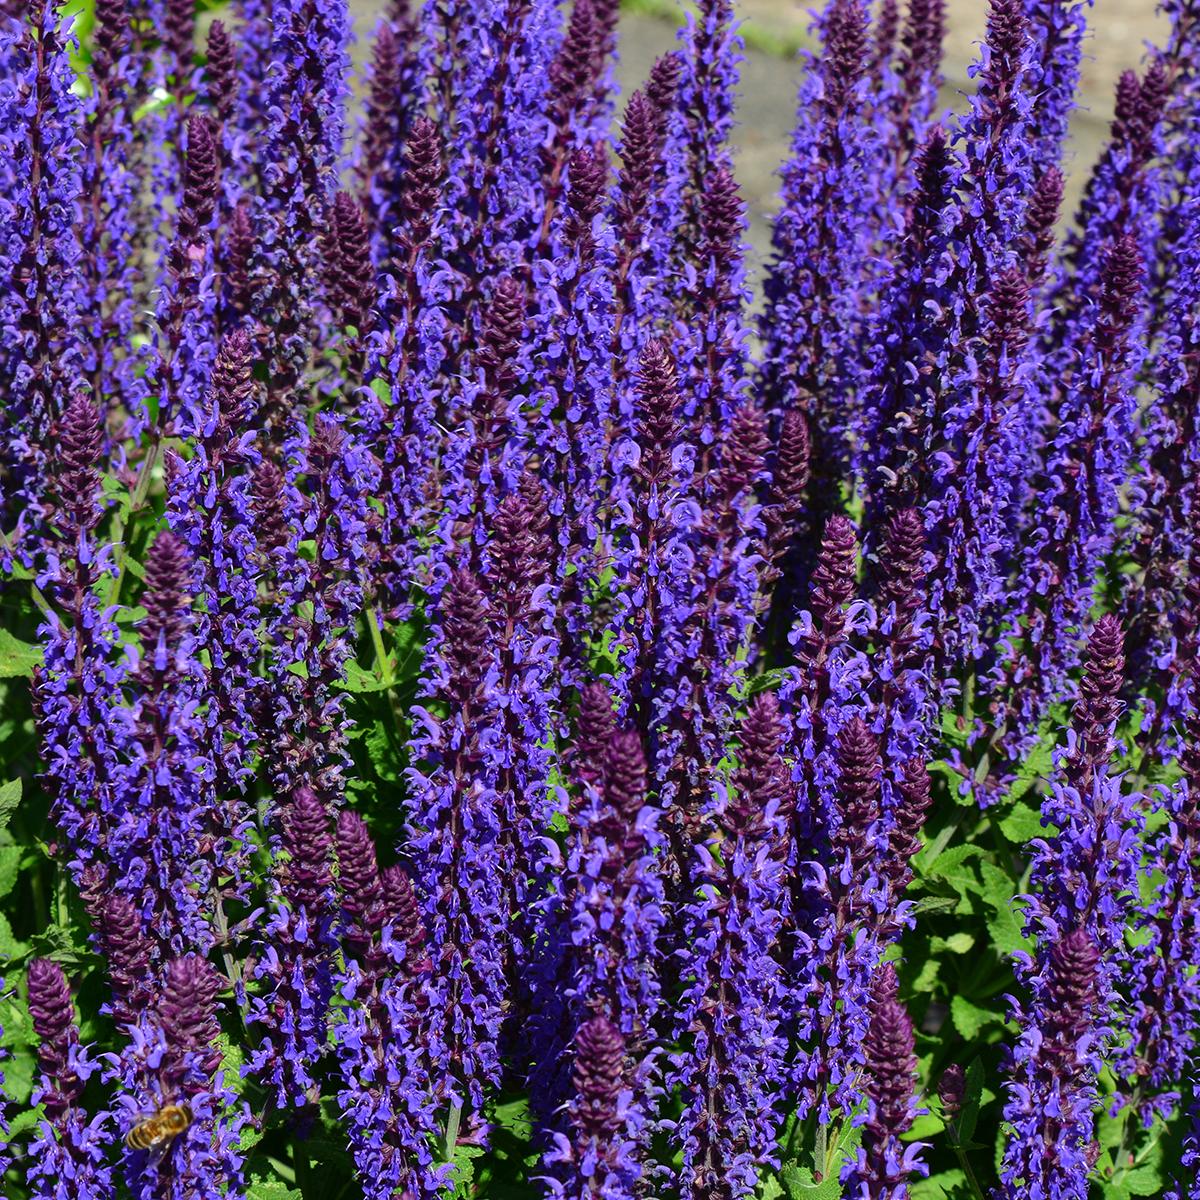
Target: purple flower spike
[(884, 1163), (598, 1155), (1053, 1090), (294, 967), (68, 1152)]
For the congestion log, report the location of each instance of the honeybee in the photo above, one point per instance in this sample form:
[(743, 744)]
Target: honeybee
[(158, 1131)]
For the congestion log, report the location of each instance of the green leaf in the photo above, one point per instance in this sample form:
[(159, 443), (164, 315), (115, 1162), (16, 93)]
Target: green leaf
[(17, 658), (10, 797), (10, 867), (970, 1018), (1004, 926), (272, 1188), (956, 943), (29, 1120), (514, 1117), (799, 1184), (949, 861), (945, 1185), (924, 1127), (10, 948), (361, 681), (972, 1102), (463, 1170), (1023, 824)]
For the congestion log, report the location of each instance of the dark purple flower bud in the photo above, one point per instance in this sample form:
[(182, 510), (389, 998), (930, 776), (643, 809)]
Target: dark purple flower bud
[(859, 782), (913, 800), (922, 39), (883, 1165), (200, 176), (743, 453), (308, 842), (846, 49), (110, 36), (789, 485), (883, 37), (662, 85), (53, 1017), (658, 403), (503, 328), (641, 151), (587, 176), (1007, 37), (574, 66), (358, 880), (220, 72), (178, 35), (1072, 995), (76, 477), (237, 257), (231, 385), (722, 218), (266, 496), (1008, 312), (349, 275), (762, 787), (127, 954), (1120, 290), (831, 588), (594, 728), (465, 616), (1040, 221), (167, 599), (625, 775), (519, 557), (1095, 715), (424, 174), (952, 1091), (187, 1011), (901, 567), (599, 1068), (402, 908)]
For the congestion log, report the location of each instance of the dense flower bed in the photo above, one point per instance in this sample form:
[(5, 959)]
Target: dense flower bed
[(491, 710)]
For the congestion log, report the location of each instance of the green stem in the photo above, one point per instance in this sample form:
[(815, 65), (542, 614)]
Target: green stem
[(820, 1152), (452, 1123), (137, 500), (969, 1172)]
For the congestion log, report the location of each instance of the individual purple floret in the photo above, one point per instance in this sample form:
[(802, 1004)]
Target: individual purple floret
[(69, 1152)]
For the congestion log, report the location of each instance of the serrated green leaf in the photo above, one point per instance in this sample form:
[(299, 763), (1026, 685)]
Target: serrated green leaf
[(970, 1018), (926, 1126), (10, 867), (10, 947), (798, 1184), (956, 943), (361, 681), (1004, 926), (945, 1185), (18, 659), (25, 1121), (260, 1188), (463, 1169), (951, 859), (1023, 824), (10, 798)]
